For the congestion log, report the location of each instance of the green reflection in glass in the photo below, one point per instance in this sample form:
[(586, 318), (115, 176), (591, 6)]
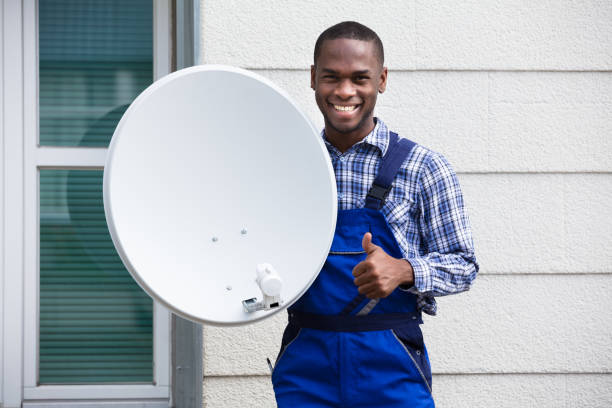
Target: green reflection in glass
[(96, 324), (95, 58)]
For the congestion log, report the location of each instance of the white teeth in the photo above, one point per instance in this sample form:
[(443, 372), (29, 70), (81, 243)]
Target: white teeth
[(345, 108)]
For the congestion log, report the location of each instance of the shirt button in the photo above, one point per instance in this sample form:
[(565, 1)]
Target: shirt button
[(340, 196), (343, 159)]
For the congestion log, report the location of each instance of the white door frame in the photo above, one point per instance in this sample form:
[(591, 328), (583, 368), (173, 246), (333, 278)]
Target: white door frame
[(21, 159)]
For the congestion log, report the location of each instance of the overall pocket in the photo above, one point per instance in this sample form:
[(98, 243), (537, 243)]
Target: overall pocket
[(290, 335), (412, 344)]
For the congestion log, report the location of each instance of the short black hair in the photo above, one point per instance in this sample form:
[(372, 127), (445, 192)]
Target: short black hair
[(352, 30)]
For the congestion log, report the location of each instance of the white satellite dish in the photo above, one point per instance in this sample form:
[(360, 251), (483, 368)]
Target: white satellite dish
[(218, 188)]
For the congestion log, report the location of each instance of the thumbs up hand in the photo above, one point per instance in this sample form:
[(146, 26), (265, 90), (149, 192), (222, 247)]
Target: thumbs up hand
[(379, 274)]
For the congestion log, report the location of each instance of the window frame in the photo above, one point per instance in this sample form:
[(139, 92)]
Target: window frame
[(38, 157)]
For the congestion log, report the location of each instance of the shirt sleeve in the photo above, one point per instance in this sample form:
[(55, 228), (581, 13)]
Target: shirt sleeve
[(447, 265)]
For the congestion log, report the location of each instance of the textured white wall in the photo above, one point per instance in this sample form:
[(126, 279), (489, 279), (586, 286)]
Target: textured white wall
[(518, 95)]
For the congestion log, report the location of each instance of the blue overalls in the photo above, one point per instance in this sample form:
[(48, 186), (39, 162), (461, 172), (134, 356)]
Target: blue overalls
[(341, 349)]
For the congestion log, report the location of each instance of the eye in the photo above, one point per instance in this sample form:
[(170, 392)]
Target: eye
[(361, 78)]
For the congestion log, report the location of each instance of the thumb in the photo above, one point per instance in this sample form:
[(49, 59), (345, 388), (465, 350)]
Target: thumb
[(367, 244)]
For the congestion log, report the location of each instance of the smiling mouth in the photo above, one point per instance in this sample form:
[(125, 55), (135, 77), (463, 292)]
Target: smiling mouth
[(348, 108)]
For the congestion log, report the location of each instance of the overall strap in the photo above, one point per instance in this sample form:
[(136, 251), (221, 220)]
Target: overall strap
[(397, 151)]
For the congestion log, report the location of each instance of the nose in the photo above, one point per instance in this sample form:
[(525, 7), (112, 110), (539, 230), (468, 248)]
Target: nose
[(345, 89)]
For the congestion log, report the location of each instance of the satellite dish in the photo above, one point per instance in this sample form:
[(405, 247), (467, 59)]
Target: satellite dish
[(219, 195)]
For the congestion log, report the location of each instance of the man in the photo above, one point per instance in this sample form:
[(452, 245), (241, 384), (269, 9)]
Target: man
[(402, 237)]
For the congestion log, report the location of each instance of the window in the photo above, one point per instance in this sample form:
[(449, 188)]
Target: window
[(90, 331), (95, 323), (95, 57)]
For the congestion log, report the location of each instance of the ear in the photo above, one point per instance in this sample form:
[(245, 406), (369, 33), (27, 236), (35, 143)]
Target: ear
[(312, 76), (382, 80)]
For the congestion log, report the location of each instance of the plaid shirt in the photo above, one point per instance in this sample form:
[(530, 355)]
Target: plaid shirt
[(424, 210)]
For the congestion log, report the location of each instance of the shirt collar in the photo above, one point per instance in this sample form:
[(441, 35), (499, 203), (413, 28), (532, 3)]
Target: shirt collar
[(378, 137)]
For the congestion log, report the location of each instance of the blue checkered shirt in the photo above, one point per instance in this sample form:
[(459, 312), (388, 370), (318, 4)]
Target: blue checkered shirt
[(424, 210)]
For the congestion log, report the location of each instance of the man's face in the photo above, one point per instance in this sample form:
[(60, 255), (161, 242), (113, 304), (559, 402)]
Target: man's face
[(346, 79)]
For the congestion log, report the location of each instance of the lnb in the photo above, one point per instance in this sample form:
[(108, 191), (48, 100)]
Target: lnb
[(270, 285)]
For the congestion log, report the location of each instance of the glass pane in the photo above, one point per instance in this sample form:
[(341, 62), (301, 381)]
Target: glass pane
[(96, 324), (95, 58)]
